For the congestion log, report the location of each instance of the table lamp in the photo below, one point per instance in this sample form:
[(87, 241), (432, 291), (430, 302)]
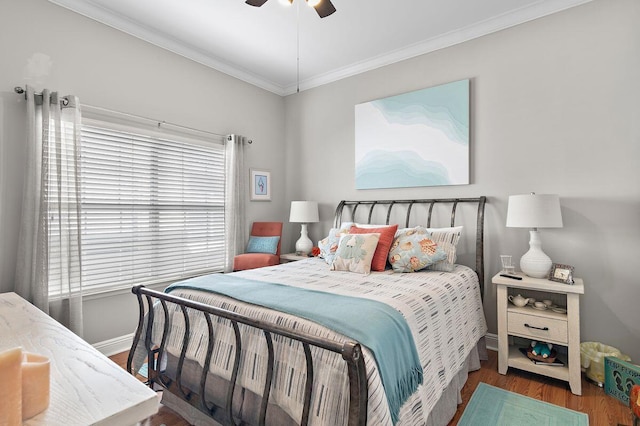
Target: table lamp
[(304, 212), (534, 211)]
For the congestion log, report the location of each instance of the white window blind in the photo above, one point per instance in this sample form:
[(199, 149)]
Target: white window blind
[(152, 208)]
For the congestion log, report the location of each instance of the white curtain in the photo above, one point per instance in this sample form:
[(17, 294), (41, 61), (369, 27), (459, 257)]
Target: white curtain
[(48, 272), (235, 198)]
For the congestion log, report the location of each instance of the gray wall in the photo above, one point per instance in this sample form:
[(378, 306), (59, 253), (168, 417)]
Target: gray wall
[(555, 109), (113, 70)]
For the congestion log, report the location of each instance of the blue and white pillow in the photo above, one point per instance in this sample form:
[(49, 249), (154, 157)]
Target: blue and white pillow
[(267, 245), (413, 250), (329, 244), (355, 253)]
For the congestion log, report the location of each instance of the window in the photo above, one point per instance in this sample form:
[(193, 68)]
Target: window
[(152, 207)]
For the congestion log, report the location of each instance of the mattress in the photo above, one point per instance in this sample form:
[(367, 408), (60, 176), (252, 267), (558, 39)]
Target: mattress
[(443, 310)]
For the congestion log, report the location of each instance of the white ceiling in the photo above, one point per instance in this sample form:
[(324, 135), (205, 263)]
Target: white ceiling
[(259, 45)]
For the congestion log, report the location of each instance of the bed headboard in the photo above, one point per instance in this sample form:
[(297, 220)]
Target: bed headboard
[(381, 205)]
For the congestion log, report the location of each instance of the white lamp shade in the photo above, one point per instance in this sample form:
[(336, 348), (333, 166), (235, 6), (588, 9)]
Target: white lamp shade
[(304, 212), (534, 211)]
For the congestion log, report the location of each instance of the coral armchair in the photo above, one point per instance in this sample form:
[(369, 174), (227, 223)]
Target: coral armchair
[(258, 260)]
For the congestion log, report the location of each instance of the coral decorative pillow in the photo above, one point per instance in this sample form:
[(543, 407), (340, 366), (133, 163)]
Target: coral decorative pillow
[(387, 234), (355, 253), (414, 250)]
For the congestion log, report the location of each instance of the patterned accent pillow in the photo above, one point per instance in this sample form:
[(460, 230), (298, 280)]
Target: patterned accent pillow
[(329, 244), (263, 244), (387, 233), (448, 239), (355, 252), (414, 250)]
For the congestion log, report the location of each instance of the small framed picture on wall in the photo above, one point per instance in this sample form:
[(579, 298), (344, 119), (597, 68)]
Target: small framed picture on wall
[(260, 185)]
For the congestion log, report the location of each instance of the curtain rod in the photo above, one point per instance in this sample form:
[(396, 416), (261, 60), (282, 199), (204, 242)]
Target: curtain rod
[(19, 90)]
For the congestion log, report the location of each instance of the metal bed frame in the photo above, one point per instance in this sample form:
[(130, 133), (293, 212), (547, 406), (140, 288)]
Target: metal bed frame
[(481, 201), (351, 351)]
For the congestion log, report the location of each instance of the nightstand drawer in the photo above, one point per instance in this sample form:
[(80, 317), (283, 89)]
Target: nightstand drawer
[(537, 327)]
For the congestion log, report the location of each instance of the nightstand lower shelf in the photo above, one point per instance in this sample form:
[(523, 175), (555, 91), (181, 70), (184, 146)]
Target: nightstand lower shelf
[(521, 362)]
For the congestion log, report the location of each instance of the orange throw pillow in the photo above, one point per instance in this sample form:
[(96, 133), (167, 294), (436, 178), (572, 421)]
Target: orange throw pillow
[(387, 234)]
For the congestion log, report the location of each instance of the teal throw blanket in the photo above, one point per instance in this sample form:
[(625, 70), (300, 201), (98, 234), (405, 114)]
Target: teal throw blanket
[(374, 324)]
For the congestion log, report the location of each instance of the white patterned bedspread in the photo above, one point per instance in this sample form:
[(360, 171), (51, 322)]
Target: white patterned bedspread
[(443, 310)]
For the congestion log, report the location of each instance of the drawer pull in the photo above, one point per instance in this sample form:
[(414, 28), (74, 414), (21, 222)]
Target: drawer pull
[(537, 328)]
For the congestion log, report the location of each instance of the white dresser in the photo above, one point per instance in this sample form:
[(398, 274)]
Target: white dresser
[(86, 387)]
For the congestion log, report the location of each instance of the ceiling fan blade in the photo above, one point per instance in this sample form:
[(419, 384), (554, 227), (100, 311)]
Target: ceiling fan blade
[(256, 3), (324, 8)]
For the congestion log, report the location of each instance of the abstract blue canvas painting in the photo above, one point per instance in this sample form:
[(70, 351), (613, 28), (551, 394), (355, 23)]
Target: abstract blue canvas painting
[(414, 139)]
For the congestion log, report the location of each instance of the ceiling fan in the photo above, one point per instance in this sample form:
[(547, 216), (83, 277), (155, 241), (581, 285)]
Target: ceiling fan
[(323, 7)]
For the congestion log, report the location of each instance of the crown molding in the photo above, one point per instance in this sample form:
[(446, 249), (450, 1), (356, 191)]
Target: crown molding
[(138, 30), (489, 26)]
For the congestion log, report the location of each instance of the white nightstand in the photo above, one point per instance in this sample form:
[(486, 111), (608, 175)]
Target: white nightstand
[(291, 257), (557, 328)]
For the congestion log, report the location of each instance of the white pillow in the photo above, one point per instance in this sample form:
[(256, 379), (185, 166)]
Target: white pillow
[(430, 230), (369, 225), (447, 239)]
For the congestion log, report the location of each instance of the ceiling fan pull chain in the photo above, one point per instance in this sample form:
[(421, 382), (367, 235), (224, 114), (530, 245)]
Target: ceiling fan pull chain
[(298, 47)]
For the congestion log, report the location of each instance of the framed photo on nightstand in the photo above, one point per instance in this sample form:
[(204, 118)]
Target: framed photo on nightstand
[(561, 273)]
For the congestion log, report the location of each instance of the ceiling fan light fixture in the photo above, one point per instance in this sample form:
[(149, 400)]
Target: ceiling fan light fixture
[(324, 8)]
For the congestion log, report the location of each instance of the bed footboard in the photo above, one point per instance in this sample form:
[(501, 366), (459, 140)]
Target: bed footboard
[(351, 353)]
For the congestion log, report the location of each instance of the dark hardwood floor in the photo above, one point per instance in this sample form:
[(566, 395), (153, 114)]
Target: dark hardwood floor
[(603, 410), (165, 416)]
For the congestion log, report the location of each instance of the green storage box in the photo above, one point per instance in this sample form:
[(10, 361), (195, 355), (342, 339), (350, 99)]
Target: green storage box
[(619, 378)]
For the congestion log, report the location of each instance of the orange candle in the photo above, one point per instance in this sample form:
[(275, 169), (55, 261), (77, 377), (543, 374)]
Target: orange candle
[(11, 387), (35, 384)]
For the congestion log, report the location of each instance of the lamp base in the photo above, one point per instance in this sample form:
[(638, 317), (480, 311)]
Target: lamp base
[(535, 263), (304, 243)]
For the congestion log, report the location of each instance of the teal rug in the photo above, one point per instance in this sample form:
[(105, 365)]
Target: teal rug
[(493, 406), (144, 370)]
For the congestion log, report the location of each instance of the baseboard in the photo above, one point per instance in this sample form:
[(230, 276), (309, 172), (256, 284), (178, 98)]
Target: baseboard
[(492, 341), (115, 345)]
